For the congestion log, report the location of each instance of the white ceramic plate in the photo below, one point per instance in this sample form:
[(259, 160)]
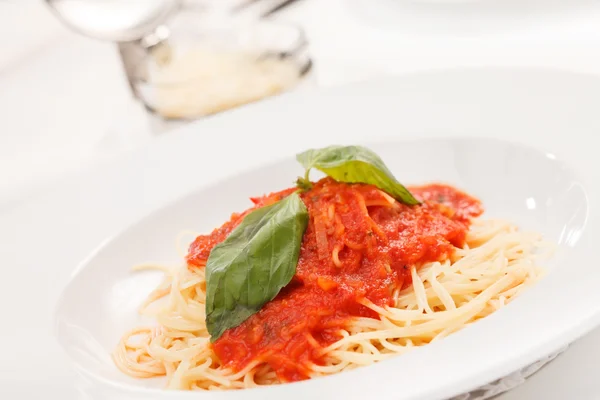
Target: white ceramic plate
[(527, 186), (467, 16), (42, 241)]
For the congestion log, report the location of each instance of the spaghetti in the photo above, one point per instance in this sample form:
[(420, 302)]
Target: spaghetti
[(375, 278)]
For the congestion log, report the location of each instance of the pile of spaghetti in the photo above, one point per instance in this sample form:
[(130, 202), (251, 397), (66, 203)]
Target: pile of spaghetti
[(375, 278)]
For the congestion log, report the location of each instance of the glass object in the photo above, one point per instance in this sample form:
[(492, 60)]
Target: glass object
[(195, 67)]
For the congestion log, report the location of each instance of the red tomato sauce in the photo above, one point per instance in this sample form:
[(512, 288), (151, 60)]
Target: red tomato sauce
[(359, 244)]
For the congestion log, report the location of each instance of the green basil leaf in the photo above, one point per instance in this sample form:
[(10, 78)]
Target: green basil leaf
[(355, 164), (253, 263)]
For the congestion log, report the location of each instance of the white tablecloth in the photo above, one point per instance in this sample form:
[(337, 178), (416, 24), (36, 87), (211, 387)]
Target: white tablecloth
[(65, 103)]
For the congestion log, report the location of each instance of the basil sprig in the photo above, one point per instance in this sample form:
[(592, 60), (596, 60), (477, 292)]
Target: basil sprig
[(354, 164), (253, 263), (259, 257)]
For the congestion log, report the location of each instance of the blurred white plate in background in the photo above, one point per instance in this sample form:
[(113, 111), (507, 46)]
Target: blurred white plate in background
[(465, 17)]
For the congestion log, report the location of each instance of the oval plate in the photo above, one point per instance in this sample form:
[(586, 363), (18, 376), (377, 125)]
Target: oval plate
[(532, 188)]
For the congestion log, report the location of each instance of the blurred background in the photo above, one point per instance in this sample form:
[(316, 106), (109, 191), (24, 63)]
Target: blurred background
[(82, 81)]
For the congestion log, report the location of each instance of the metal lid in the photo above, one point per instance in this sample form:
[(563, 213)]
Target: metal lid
[(114, 20)]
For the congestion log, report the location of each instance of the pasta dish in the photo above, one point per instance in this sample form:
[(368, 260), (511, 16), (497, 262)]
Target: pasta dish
[(328, 276)]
